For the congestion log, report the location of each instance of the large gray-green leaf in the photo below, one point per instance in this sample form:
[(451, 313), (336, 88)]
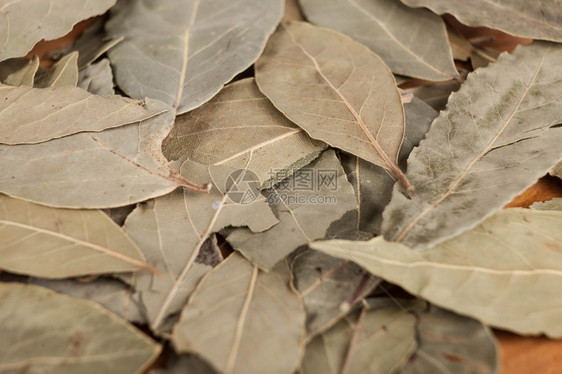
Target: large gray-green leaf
[(369, 341), (306, 204), (46, 332), (243, 320), (528, 19), (112, 168), (97, 78), (240, 128), (193, 48), (32, 115), (171, 231), (373, 184), (411, 42), (329, 287), (110, 293), (451, 344), (500, 133), (59, 243), (336, 89), (63, 73), (506, 272), (25, 22), (24, 75)]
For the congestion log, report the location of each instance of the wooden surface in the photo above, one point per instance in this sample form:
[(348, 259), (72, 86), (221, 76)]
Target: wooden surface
[(519, 355)]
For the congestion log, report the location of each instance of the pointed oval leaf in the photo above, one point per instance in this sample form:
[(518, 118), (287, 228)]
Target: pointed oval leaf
[(32, 115), (46, 332), (25, 75), (60, 243), (193, 49), (499, 134), (112, 168), (25, 22), (240, 128), (506, 272), (527, 19), (239, 317), (411, 42), (63, 73), (336, 89)]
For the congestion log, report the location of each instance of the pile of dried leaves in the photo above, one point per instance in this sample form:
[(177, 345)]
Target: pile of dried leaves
[(309, 216)]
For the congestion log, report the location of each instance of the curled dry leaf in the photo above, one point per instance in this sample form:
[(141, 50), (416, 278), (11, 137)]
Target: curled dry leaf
[(171, 231), (32, 115), (46, 332), (239, 317), (59, 243), (24, 75), (356, 344), (528, 19), (240, 128), (412, 42), (97, 78), (108, 169), (336, 89), (499, 134), (25, 22), (305, 213), (193, 48), (61, 74), (449, 343), (506, 272)]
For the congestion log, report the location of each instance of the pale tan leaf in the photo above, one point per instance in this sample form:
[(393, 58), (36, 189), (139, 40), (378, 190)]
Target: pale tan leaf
[(336, 89), (499, 134), (25, 22), (506, 272), (61, 74), (25, 75), (240, 318), (293, 11), (46, 332), (59, 243)]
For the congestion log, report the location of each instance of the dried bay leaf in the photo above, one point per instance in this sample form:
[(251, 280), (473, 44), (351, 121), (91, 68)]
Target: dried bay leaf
[(61, 74), (557, 170), (449, 343), (554, 204), (240, 317), (506, 272), (112, 168), (97, 78), (25, 22), (368, 341), (499, 134), (412, 42), (59, 243), (435, 94), (46, 332), (527, 19), (240, 128), (32, 115), (306, 220), (193, 49), (373, 184), (93, 43), (25, 75), (329, 287), (182, 364), (293, 11), (336, 89), (171, 231)]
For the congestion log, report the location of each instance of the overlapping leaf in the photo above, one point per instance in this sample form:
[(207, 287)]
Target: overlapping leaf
[(336, 90), (23, 75), (411, 42), (528, 19), (112, 168), (500, 133), (63, 73), (59, 243), (240, 128), (171, 231), (97, 78), (506, 272), (32, 115), (25, 22), (193, 48), (239, 317), (43, 331)]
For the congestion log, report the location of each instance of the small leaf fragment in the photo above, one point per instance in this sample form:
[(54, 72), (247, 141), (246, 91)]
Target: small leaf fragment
[(62, 73)]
